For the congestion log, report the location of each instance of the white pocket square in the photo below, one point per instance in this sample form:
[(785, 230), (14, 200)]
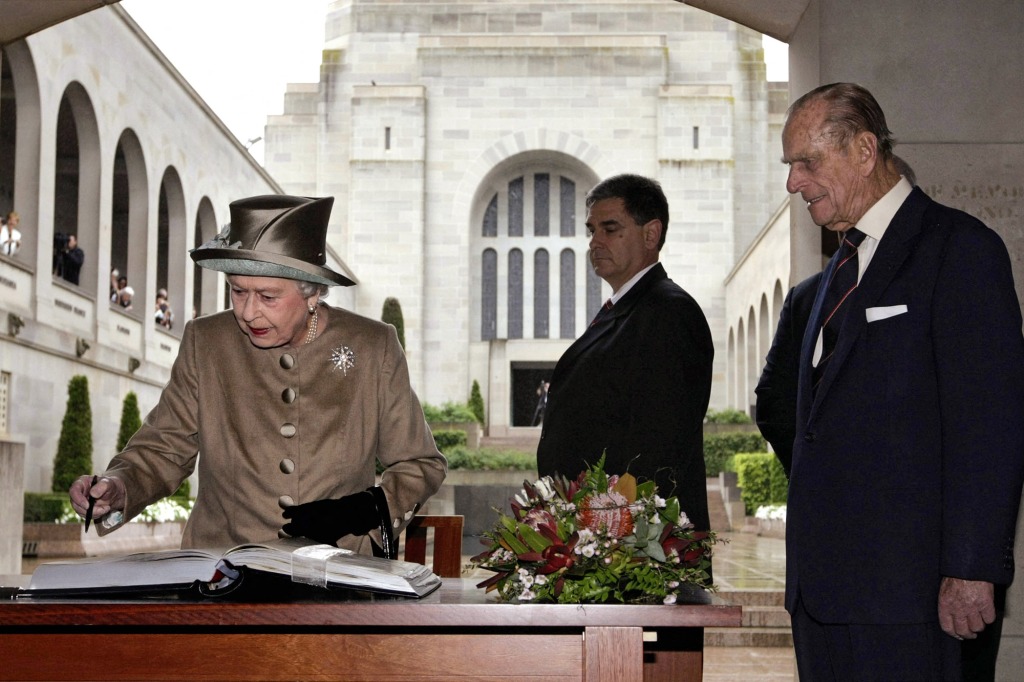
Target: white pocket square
[(884, 312)]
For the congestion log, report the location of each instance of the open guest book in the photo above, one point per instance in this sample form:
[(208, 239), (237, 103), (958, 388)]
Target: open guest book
[(213, 572)]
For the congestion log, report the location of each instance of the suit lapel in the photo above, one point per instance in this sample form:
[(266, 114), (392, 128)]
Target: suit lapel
[(889, 256), (609, 322)]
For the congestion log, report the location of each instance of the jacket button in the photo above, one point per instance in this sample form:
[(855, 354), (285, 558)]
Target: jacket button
[(287, 361), (287, 466)]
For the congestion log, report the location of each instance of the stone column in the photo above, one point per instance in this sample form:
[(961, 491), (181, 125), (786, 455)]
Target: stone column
[(12, 505)]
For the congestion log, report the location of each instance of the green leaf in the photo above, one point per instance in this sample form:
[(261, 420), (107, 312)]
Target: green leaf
[(536, 541), (671, 510), (513, 542)]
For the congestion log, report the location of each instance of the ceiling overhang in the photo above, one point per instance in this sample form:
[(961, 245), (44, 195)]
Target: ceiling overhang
[(20, 18), (775, 18)]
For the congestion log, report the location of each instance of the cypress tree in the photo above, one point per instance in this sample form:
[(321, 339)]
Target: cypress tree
[(74, 449), (130, 420), (476, 402), (392, 314)]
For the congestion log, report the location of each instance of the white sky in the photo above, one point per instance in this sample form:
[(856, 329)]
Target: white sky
[(240, 54)]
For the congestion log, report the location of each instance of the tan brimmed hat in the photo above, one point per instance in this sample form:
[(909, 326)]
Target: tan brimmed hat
[(275, 235)]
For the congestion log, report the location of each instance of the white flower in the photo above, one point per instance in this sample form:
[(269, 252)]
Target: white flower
[(659, 501), (541, 580), (544, 488), (527, 595), (771, 512), (588, 550), (525, 577), (669, 599)]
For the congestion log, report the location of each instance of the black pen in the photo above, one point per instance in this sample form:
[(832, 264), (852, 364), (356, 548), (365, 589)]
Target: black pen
[(92, 501)]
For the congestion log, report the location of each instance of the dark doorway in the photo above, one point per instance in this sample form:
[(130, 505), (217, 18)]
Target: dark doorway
[(527, 379)]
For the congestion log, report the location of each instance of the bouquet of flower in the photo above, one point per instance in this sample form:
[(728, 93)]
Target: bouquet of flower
[(599, 538)]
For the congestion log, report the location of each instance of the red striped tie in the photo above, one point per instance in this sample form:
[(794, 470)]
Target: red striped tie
[(602, 312), (842, 284)]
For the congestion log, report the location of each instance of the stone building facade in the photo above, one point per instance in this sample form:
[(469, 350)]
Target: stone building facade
[(460, 139), (100, 137)]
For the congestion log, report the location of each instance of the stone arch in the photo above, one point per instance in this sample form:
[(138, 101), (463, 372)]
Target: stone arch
[(171, 241), (730, 369), (752, 365), (741, 365), (204, 282), (765, 327), (129, 210), (77, 182), (21, 155), (530, 201)]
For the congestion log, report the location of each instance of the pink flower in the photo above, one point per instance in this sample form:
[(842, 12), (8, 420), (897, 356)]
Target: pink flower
[(608, 512)]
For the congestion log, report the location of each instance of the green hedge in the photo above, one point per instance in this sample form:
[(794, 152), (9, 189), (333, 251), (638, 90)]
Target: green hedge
[(447, 439), (729, 416), (487, 459), (719, 447), (761, 479), (43, 507), (449, 412)]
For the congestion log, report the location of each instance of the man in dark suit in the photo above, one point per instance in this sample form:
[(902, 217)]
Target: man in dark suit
[(776, 391), (908, 456), (635, 386)]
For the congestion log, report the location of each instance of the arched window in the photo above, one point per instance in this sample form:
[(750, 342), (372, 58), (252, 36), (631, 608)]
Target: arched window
[(533, 208), (567, 295), (541, 294), (489, 295), (515, 294)]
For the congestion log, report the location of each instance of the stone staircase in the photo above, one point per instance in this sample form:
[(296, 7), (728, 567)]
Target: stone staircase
[(765, 621)]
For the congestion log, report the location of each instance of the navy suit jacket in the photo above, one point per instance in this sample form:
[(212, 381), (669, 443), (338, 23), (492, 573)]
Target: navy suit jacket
[(776, 390), (636, 386), (908, 461)]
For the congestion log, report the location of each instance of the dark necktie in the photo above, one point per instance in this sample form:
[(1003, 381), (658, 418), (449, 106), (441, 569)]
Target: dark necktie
[(842, 284), (602, 313)]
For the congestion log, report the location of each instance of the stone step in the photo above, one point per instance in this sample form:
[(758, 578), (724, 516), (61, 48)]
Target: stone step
[(748, 637), (766, 617), (754, 597)]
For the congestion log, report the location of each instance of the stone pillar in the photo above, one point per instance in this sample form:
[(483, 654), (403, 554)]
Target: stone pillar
[(12, 505)]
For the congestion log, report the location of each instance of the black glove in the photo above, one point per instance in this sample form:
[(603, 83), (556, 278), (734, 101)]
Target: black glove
[(327, 521)]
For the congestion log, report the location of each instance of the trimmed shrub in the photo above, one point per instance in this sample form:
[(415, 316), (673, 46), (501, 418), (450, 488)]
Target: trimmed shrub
[(449, 412), (130, 420), (488, 459), (392, 314), (449, 438), (476, 402), (183, 492), (74, 449), (719, 447), (729, 416), (43, 507), (759, 474)]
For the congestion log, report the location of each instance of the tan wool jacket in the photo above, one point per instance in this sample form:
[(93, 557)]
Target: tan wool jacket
[(273, 427)]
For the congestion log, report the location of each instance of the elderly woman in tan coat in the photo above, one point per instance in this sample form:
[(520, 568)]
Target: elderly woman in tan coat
[(283, 402)]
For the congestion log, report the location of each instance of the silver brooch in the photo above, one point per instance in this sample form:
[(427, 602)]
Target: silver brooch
[(343, 358)]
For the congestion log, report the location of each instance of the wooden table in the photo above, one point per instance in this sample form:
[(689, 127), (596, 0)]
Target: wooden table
[(458, 632)]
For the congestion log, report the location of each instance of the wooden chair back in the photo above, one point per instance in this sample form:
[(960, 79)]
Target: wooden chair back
[(447, 543)]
